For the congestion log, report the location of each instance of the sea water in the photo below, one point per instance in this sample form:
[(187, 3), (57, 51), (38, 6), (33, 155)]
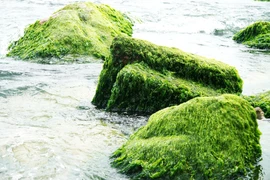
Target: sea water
[(48, 127)]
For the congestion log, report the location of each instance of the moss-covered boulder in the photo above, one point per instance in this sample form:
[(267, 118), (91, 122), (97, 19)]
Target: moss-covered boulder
[(141, 77), (204, 138), (255, 35), (261, 100), (77, 29)]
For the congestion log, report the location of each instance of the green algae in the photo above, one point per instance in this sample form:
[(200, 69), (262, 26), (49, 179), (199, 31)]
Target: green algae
[(141, 86), (120, 87), (77, 29), (204, 138), (255, 35), (261, 100)]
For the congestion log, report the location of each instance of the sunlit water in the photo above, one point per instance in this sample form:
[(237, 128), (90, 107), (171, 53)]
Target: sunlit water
[(48, 127)]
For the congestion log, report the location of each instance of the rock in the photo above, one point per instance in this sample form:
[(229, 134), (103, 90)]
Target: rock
[(259, 113), (204, 138), (80, 29), (141, 77), (261, 100), (255, 35)]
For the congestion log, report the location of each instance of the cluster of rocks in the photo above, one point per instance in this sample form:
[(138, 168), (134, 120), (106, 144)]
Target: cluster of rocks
[(201, 126)]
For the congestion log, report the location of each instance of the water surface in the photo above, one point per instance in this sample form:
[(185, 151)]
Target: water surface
[(48, 127)]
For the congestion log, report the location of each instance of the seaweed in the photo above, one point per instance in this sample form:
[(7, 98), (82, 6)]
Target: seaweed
[(261, 100), (255, 35), (77, 29), (142, 90), (204, 138), (122, 87)]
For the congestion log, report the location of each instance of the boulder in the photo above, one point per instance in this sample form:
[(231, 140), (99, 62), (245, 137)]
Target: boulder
[(204, 138), (141, 77), (261, 100), (259, 113), (80, 29), (256, 35)]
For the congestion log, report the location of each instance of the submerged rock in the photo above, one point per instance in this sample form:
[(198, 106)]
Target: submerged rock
[(261, 100), (77, 29), (204, 138), (141, 77), (255, 35)]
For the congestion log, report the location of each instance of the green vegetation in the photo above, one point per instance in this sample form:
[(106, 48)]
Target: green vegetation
[(155, 90), (204, 138), (261, 100), (141, 77), (255, 35), (77, 29)]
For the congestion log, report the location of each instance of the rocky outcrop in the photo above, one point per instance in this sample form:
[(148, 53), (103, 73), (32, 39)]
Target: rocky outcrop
[(256, 35), (204, 138), (80, 29), (141, 77), (261, 100)]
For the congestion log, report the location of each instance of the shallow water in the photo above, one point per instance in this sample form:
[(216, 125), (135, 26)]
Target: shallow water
[(48, 127)]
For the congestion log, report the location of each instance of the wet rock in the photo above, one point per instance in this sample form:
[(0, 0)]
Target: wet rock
[(204, 138), (255, 35), (259, 113), (77, 29), (141, 77), (261, 100)]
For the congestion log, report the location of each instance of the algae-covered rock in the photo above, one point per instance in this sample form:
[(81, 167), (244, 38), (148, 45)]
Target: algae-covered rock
[(204, 138), (77, 29), (255, 35), (141, 77), (261, 100)]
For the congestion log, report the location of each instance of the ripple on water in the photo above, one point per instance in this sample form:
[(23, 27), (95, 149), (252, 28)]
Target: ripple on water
[(8, 74), (48, 127), (45, 135), (66, 148)]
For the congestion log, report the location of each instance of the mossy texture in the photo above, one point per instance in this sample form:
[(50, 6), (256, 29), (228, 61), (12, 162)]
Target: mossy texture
[(255, 35), (261, 100), (141, 77), (204, 138), (148, 90), (77, 29)]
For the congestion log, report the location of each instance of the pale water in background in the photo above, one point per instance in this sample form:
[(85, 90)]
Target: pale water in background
[(48, 127)]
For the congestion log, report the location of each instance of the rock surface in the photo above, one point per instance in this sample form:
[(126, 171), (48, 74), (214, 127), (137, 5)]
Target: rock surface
[(141, 77), (255, 35), (204, 138), (261, 100), (80, 29)]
